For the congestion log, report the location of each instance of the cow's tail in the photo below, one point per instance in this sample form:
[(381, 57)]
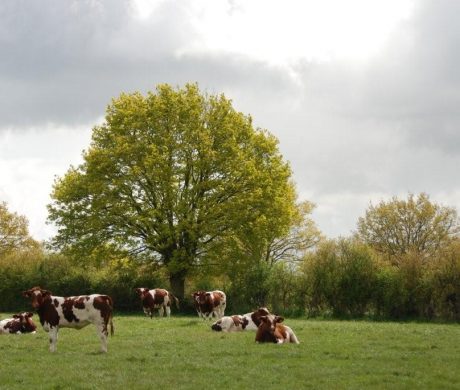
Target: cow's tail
[(175, 300)]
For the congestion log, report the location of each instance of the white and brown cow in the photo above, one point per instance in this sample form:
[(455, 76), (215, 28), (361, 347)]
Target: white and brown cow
[(271, 330), (72, 312), (210, 303), (156, 299), (20, 323), (235, 323)]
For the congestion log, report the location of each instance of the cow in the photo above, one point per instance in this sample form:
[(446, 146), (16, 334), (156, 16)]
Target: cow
[(210, 303), (248, 321), (271, 330), (234, 323), (72, 312), (156, 299), (20, 323)]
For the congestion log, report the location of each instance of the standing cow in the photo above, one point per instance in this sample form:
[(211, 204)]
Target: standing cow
[(72, 312), (20, 323), (210, 303), (156, 299)]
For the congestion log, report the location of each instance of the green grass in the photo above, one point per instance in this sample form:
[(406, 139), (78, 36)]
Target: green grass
[(183, 353)]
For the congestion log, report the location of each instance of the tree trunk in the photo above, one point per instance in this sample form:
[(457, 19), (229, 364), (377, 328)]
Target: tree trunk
[(177, 281)]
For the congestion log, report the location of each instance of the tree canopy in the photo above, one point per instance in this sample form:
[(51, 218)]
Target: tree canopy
[(167, 175), (416, 225)]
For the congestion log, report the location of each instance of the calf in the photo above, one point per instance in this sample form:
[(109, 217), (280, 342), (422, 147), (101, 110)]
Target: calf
[(210, 303), (271, 331), (248, 321), (20, 323), (72, 312), (156, 299)]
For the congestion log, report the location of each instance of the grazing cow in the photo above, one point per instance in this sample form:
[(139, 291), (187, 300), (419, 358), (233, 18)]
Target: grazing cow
[(248, 321), (209, 303), (20, 323), (156, 299), (234, 323), (271, 331), (72, 312)]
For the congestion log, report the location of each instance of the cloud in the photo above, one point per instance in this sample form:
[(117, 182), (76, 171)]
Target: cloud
[(354, 129)]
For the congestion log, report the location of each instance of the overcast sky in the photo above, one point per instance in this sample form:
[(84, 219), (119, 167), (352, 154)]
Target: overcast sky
[(363, 95)]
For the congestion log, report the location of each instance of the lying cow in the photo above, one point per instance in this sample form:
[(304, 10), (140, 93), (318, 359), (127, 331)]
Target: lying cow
[(72, 312), (156, 299), (210, 303), (248, 321), (234, 323), (20, 323), (271, 331)]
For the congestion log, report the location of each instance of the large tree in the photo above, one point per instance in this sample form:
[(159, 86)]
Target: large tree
[(416, 225), (167, 175)]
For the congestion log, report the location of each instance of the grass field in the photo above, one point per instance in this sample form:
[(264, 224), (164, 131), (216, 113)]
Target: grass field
[(184, 353)]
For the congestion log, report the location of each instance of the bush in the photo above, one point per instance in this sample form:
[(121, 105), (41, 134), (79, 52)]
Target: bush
[(341, 276)]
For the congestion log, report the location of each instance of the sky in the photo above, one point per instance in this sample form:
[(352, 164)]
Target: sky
[(363, 95)]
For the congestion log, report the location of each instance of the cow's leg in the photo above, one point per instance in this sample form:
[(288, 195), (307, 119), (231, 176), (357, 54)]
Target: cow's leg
[(53, 335), (161, 311), (101, 330), (168, 311)]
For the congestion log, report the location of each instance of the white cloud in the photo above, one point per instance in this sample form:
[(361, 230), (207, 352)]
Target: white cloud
[(363, 95)]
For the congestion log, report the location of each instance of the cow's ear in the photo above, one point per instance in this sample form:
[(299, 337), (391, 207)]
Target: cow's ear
[(29, 314), (16, 316), (26, 293), (279, 319), (45, 292)]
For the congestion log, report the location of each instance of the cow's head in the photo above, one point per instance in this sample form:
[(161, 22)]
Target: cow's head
[(201, 296), (141, 291), (257, 314), (38, 296), (27, 325), (268, 323)]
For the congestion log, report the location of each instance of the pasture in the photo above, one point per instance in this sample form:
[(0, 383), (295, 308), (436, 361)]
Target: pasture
[(184, 353)]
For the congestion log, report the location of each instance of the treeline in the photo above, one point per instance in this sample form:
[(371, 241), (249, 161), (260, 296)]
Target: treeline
[(340, 278)]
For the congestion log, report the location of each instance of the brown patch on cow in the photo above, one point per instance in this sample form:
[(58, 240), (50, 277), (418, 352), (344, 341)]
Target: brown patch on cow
[(244, 323), (104, 304), (67, 310), (13, 326), (56, 302), (80, 302)]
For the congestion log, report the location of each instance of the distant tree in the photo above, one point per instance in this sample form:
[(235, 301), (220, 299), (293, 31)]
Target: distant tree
[(416, 225), (14, 232), (167, 176)]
